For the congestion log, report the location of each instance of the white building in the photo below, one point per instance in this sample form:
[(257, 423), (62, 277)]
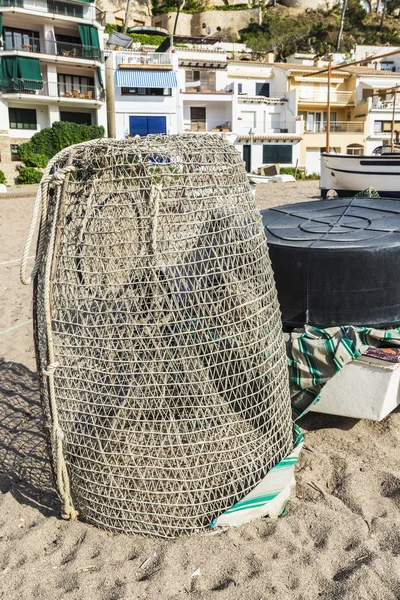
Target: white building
[(374, 104), (142, 93), (51, 69), (266, 124)]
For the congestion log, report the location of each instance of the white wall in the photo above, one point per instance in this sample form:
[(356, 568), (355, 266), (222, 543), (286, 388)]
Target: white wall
[(120, 108)]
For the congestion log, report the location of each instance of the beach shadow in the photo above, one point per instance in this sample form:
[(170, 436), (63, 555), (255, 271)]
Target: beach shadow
[(314, 421), (24, 463)]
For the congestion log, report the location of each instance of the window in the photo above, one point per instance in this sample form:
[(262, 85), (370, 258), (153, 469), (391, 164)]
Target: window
[(146, 125), (119, 21), (202, 81), (355, 149), (385, 126), (21, 39), (75, 117), (278, 153), (64, 8), (240, 88), (262, 89), (22, 118), (146, 91), (14, 149)]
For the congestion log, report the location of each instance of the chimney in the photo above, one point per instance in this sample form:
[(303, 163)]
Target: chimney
[(318, 62), (270, 57)]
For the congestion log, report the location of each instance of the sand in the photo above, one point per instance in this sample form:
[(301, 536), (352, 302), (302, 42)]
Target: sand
[(339, 540)]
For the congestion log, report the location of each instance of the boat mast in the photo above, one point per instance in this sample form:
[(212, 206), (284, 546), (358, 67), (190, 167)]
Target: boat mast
[(393, 121), (328, 109)]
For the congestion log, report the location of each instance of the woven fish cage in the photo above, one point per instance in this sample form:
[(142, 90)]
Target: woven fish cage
[(158, 335)]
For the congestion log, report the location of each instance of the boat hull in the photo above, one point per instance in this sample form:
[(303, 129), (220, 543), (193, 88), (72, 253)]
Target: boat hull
[(347, 175)]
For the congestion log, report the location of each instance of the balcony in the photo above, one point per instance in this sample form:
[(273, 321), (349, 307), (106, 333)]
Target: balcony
[(148, 60), (51, 47), (336, 127), (87, 12), (208, 126), (342, 98), (200, 88), (39, 89), (276, 98), (378, 104)]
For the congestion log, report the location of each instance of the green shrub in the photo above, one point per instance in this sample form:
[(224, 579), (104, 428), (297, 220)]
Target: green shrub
[(110, 27), (231, 7), (313, 176), (3, 179), (292, 171), (29, 175), (46, 143), (30, 159), (148, 40)]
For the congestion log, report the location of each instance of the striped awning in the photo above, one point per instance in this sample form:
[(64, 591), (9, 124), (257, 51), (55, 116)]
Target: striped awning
[(146, 79)]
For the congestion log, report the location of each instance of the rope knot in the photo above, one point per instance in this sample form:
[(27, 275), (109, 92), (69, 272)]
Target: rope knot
[(59, 176), (51, 367)]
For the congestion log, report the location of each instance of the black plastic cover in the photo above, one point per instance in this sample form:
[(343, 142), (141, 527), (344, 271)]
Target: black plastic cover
[(336, 262)]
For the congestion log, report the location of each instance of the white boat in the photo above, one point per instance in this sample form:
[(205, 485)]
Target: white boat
[(269, 179), (347, 175)]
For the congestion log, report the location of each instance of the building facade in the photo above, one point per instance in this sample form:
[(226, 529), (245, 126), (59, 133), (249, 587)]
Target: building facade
[(142, 93), (51, 69), (271, 112)]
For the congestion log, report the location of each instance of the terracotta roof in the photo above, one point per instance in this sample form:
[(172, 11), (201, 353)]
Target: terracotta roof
[(251, 63), (288, 137), (358, 70), (304, 69)]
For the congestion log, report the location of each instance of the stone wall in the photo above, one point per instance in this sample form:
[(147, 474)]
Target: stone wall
[(140, 13), (223, 23)]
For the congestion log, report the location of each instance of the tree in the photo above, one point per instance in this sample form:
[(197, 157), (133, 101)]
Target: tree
[(283, 36), (339, 38), (127, 13)]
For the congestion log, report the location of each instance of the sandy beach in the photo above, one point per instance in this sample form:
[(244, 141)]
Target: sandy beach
[(340, 538)]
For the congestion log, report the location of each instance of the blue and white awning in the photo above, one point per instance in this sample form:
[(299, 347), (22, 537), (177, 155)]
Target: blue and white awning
[(146, 79)]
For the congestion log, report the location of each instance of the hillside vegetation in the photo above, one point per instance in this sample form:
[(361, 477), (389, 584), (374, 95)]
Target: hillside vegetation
[(285, 31)]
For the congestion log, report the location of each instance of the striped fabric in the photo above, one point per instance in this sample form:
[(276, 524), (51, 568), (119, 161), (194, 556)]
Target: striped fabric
[(146, 79), (270, 496), (315, 355)]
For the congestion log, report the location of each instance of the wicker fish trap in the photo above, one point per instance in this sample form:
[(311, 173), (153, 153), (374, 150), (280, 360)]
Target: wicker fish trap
[(158, 335)]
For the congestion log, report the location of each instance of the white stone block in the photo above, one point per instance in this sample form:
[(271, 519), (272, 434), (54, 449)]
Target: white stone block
[(366, 388)]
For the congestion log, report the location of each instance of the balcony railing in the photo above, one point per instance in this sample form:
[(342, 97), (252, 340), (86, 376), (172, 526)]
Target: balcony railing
[(384, 104), (336, 127), (203, 88), (52, 47), (54, 90), (88, 12), (273, 98), (322, 97), (210, 125), (144, 58)]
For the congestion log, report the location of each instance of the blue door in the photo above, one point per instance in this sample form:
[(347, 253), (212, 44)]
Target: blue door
[(145, 125)]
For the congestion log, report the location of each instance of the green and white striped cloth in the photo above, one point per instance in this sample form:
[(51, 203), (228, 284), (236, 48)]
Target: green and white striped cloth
[(315, 355)]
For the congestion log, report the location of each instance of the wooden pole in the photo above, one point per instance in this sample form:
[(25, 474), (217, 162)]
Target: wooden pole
[(393, 121), (328, 109)]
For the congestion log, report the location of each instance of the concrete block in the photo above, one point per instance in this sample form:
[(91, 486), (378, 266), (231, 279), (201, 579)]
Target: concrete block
[(366, 388)]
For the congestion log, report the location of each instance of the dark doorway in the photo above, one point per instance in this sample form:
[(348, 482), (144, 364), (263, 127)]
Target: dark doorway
[(197, 118), (247, 157)]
